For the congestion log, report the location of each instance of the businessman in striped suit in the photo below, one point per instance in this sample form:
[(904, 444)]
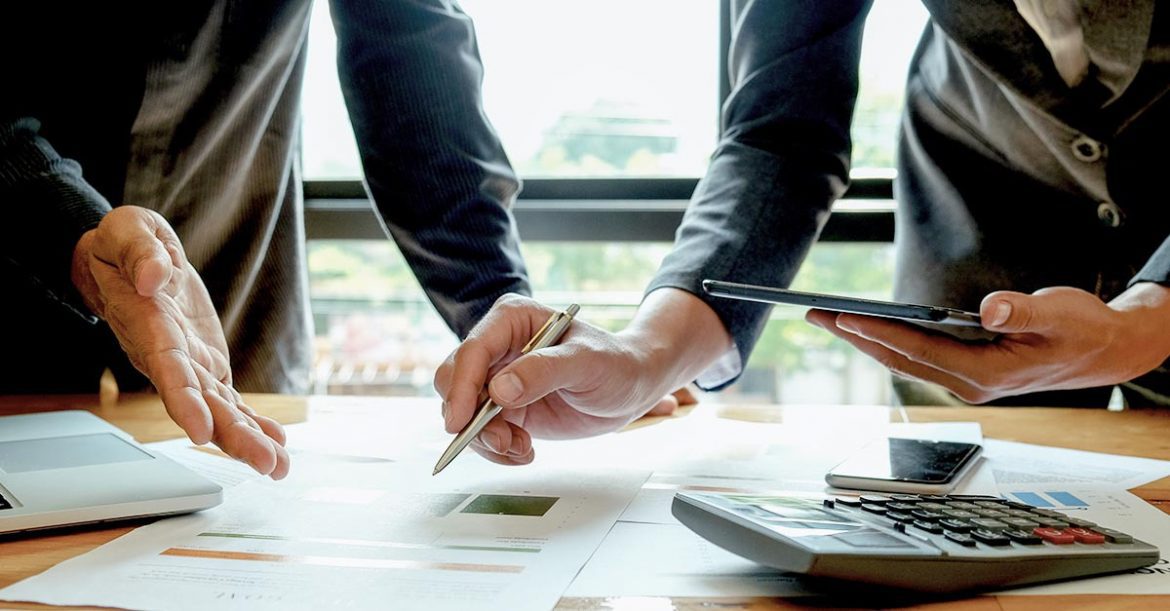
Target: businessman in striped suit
[(150, 187)]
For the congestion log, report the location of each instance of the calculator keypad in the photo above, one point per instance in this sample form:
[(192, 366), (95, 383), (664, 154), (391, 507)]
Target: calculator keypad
[(995, 523)]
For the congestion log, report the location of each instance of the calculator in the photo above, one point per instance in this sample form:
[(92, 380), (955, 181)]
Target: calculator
[(920, 542)]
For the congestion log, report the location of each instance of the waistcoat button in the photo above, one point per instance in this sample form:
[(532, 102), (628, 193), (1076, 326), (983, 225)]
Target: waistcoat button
[(1109, 214), (1086, 149)]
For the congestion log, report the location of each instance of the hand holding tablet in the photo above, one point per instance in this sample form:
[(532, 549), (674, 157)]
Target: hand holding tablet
[(959, 323)]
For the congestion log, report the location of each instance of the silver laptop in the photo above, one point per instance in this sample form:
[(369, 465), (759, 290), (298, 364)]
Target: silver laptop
[(71, 467)]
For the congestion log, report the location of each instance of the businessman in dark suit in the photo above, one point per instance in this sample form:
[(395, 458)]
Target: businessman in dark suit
[(149, 178), (1030, 165)]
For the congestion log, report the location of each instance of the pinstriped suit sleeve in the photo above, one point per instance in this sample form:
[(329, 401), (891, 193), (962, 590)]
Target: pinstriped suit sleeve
[(411, 74), (47, 207), (782, 160)]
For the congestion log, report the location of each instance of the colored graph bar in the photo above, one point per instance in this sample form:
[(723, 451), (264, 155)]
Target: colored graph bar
[(1067, 499), (1032, 499)]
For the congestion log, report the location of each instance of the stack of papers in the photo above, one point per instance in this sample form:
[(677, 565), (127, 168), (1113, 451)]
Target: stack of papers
[(361, 523)]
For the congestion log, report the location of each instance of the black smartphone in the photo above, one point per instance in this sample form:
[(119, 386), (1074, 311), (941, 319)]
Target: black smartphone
[(906, 465), (838, 303)]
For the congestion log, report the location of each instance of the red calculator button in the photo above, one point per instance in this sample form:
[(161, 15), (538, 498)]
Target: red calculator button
[(1052, 535), (1084, 535)]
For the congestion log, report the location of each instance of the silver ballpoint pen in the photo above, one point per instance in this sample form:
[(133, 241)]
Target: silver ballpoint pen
[(548, 335)]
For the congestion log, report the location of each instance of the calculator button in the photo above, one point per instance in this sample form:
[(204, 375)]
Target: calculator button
[(899, 516), (933, 498), (1084, 535), (958, 526), (1015, 505), (1082, 523), (990, 537), (928, 527), (848, 501), (972, 497), (872, 508), (828, 503), (1020, 513), (927, 515), (959, 514), (901, 506), (932, 506), (1052, 523), (905, 498), (989, 513), (962, 505), (990, 504), (1023, 536), (1053, 535), (1115, 536), (875, 499), (1021, 523), (989, 524), (960, 538)]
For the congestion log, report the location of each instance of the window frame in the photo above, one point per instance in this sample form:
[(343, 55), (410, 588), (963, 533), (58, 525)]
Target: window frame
[(605, 209)]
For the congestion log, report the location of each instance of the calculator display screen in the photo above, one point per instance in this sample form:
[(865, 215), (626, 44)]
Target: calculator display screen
[(794, 517)]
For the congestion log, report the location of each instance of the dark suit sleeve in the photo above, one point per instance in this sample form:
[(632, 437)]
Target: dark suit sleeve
[(411, 74), (47, 206), (781, 161)]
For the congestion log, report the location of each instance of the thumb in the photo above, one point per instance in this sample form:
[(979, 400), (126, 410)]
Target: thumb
[(135, 240), (1012, 312), (535, 375)]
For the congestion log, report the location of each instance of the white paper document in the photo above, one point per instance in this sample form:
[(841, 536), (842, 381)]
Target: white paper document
[(670, 560), (1026, 465), (359, 536), (1118, 510), (207, 461), (727, 456)]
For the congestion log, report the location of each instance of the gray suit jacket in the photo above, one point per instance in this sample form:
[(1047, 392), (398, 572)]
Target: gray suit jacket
[(194, 110), (1007, 179)]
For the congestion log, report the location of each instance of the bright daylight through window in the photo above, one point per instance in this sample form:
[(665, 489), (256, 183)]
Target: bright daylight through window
[(599, 89)]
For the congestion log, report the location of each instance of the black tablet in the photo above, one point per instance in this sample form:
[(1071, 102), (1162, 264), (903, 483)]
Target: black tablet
[(837, 303)]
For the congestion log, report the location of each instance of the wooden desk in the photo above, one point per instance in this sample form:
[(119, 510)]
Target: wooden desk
[(1134, 433)]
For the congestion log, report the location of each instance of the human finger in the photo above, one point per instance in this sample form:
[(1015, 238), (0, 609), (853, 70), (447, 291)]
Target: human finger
[(271, 427), (136, 241), (540, 373), (502, 459), (502, 332), (905, 367), (238, 435), (933, 349), (666, 406), (1041, 312)]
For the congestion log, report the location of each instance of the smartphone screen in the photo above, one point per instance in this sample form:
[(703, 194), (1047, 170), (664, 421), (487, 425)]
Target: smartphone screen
[(907, 460)]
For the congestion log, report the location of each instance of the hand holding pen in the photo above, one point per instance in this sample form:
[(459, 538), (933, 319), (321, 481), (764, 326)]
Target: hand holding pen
[(589, 383), (549, 334)]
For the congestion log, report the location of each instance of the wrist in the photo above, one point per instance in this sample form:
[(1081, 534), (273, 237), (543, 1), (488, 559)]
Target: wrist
[(677, 336), (1143, 307)]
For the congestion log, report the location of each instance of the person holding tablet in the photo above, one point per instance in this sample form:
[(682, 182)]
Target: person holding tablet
[(1030, 148)]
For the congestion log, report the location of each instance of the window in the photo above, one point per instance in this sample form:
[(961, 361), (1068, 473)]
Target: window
[(639, 102)]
